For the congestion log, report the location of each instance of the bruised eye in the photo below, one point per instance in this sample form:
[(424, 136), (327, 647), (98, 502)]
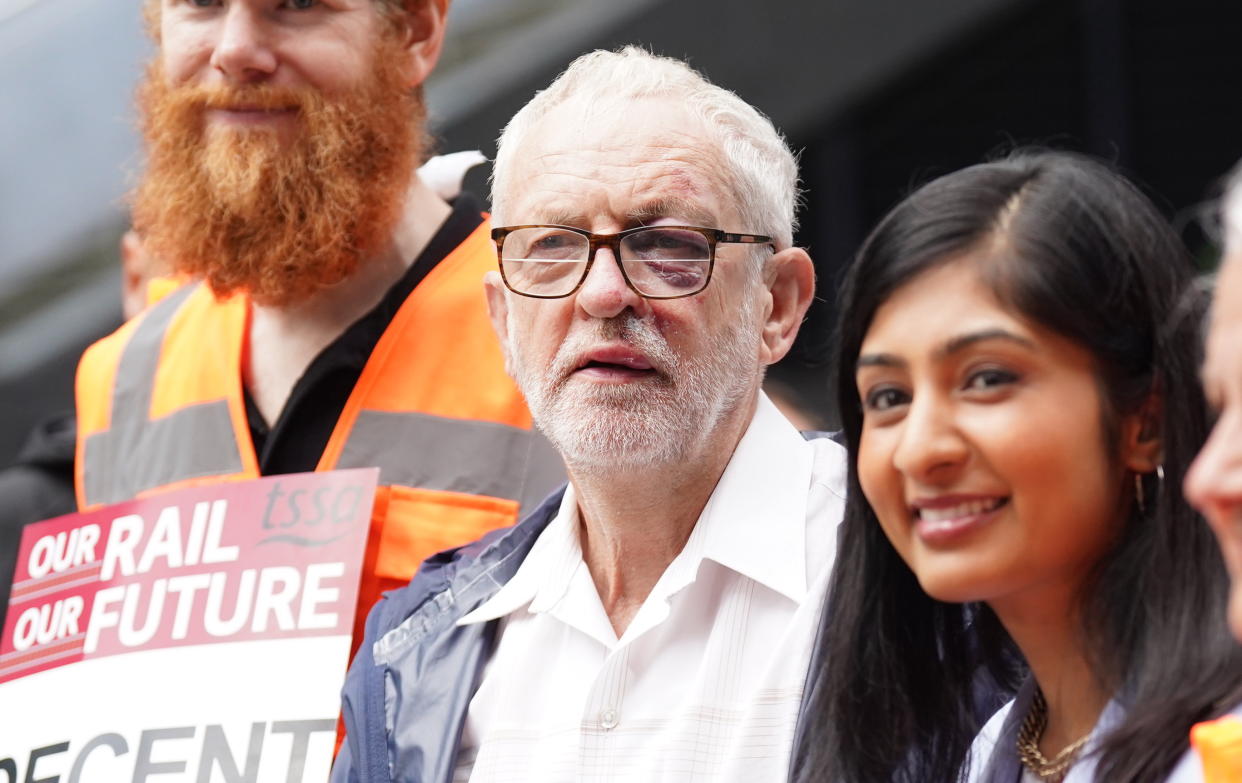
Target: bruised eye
[(883, 398), (685, 274), (665, 244)]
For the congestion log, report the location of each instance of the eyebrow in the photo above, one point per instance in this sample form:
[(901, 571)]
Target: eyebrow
[(963, 342), (878, 360), (560, 217), (666, 207), (672, 206), (952, 346)]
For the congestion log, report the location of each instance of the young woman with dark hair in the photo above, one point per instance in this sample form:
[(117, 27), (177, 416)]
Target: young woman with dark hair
[(1020, 407)]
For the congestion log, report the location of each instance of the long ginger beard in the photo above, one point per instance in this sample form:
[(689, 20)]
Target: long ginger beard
[(249, 209)]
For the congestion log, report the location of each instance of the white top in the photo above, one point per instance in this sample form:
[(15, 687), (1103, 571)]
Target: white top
[(706, 681), (1188, 770), (1082, 771)]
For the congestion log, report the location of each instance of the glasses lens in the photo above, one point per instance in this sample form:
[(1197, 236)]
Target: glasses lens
[(543, 261), (667, 261)]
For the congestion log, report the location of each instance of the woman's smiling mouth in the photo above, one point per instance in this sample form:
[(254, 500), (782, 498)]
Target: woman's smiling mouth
[(941, 521)]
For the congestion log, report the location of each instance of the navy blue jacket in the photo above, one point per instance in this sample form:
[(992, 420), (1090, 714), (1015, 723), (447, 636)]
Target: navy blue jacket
[(417, 663)]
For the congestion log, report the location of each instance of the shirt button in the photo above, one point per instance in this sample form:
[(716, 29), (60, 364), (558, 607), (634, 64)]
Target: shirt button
[(608, 719)]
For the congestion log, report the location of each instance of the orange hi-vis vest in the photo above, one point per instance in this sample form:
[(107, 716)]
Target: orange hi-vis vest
[(161, 407)]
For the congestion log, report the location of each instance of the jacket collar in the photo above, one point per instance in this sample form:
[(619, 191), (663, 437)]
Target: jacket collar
[(452, 583)]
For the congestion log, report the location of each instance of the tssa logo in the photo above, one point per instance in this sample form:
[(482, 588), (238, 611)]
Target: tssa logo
[(312, 517)]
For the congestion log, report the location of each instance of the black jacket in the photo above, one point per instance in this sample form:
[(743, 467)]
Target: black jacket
[(38, 486)]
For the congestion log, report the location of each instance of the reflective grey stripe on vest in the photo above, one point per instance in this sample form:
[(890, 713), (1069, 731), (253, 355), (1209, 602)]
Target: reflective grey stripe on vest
[(137, 454), (454, 455)]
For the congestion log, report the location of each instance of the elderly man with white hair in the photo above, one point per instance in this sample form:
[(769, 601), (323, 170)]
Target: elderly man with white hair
[(1214, 482), (654, 620)]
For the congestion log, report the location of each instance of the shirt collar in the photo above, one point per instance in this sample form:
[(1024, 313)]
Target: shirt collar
[(754, 523)]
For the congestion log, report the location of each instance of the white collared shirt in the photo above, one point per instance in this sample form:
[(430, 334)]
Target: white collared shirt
[(706, 681)]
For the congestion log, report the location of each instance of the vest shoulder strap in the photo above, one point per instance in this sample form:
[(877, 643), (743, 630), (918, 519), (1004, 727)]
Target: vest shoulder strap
[(137, 434)]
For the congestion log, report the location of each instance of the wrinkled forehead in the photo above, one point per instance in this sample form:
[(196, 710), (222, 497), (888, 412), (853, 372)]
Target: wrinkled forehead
[(624, 159)]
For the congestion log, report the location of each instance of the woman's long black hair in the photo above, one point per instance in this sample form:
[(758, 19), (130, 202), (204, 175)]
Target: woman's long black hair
[(894, 691)]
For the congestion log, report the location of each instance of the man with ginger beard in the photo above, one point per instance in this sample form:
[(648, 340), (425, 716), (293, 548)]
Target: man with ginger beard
[(655, 620), (334, 316)]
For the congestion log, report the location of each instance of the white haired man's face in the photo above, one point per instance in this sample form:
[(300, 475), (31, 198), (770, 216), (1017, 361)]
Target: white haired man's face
[(1214, 482), (611, 377)]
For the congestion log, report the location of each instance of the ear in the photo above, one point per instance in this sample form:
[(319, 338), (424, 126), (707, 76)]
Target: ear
[(789, 277), (152, 15), (498, 308), (1142, 441), (422, 32), (135, 271)]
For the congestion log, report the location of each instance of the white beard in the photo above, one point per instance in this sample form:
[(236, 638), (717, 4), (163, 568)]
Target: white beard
[(661, 420)]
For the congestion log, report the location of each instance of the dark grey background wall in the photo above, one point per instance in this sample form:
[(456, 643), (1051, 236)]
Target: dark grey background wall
[(882, 95)]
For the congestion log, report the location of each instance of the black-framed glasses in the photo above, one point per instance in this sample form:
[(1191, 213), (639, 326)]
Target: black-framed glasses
[(657, 262)]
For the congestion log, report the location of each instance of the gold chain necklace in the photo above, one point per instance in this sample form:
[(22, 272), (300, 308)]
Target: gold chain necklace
[(1049, 770)]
